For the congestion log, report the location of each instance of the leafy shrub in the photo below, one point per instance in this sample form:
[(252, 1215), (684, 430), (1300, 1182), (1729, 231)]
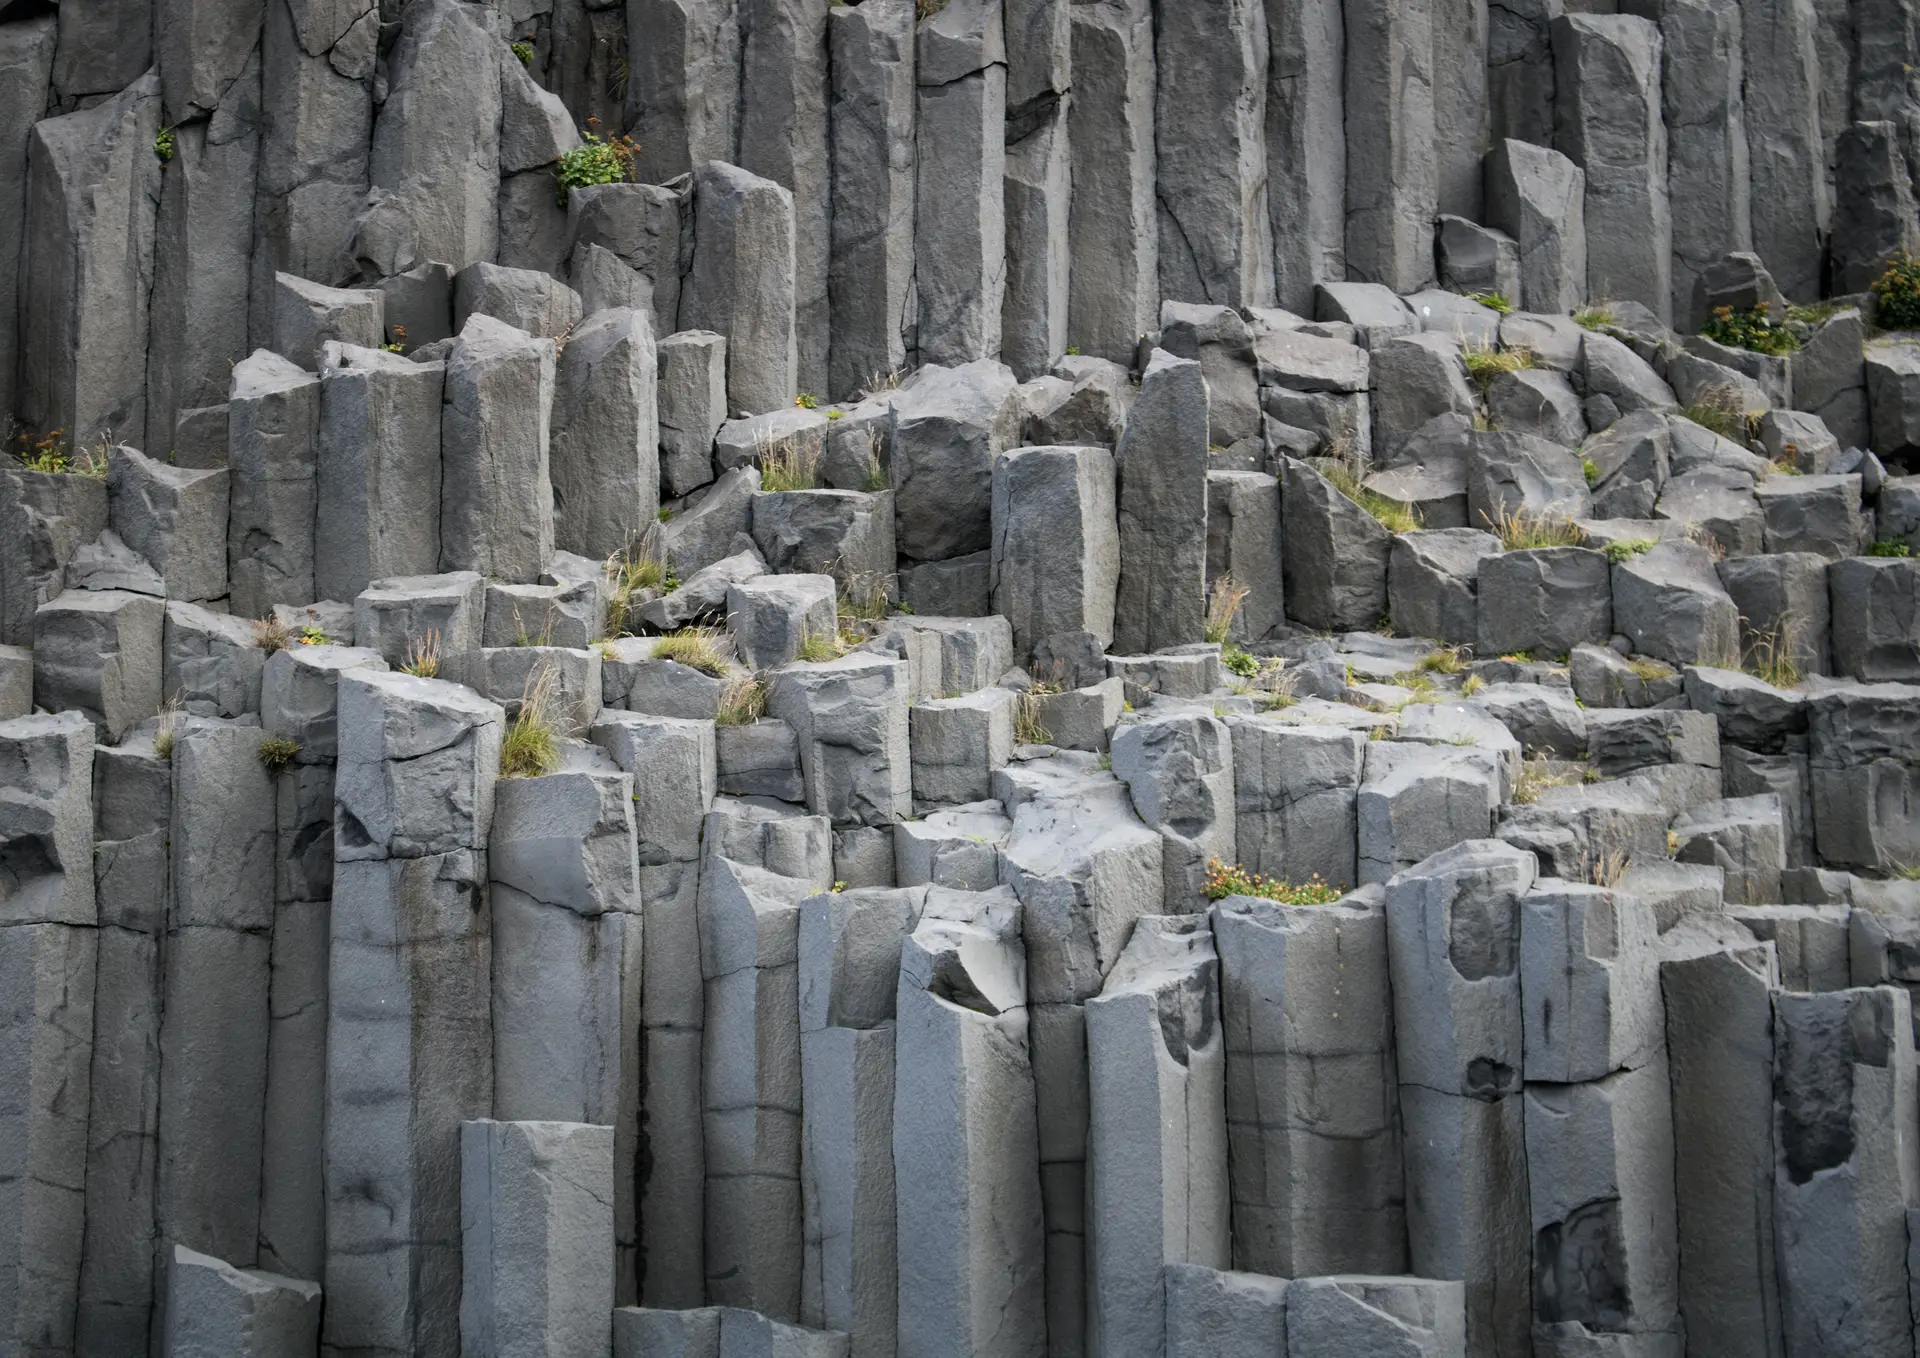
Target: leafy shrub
[(592, 162), (1236, 661), (1889, 547), (277, 754), (1896, 294), (524, 50), (1222, 881), (1628, 548), (164, 144), (1749, 329)]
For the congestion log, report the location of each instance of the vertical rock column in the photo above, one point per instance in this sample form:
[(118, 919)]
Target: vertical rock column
[(273, 426), (1707, 169), (496, 487), (563, 882), (1607, 120), (1317, 1185), (1162, 464), (47, 968), (1453, 936), (1056, 558), (1114, 289), (1520, 69), (605, 455), (849, 978), (409, 1032), (871, 116), (299, 701), (1306, 148), (214, 1020), (959, 222), (1158, 1144), (377, 478), (742, 283), (783, 137), (1393, 197), (133, 800), (93, 183), (26, 66), (965, 1153), (1788, 161), (1845, 1173), (1039, 184), (1461, 111), (1216, 242), (683, 85)]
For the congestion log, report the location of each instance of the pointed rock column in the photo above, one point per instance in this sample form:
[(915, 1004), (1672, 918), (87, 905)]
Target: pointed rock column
[(1216, 242), (93, 183), (47, 978), (409, 1034), (1453, 944), (870, 279), (965, 1151), (1114, 290), (1306, 148), (1157, 1152), (1039, 185), (1607, 120), (1162, 466), (1790, 197), (959, 225), (1392, 201)]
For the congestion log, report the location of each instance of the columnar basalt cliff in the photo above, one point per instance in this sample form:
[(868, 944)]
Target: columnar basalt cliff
[(959, 679)]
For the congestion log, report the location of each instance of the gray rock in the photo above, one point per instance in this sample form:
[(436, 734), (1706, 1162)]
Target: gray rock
[(1161, 467), (1299, 361), (1517, 475), (680, 118), (211, 662), (1705, 114), (508, 674), (847, 534), (1812, 514), (1897, 514), (1801, 441), (1790, 191), (496, 492), (1876, 617), (1220, 341), (1538, 196), (1718, 502), (99, 653), (1630, 461), (742, 283), (1390, 125), (1114, 292), (48, 515), (850, 717), (1433, 582), (418, 304), (1747, 773), (1179, 773), (954, 847), (1873, 204), (1540, 402), (1351, 1314), (749, 441), (1373, 309), (703, 596), (1622, 740), (1415, 379), (773, 616), (1335, 553), (957, 743), (712, 527), (959, 222), (1056, 551), (1235, 1315), (214, 1308), (1613, 370), (1476, 258), (1590, 982), (605, 453), (1860, 743), (950, 424), (402, 616), (1670, 602), (1417, 799), (174, 517), (1893, 388), (1092, 408), (545, 615), (307, 315), (273, 424), (1745, 837), (1546, 600), (692, 405), (1243, 542), (673, 761), (378, 508), (647, 227), (526, 299)]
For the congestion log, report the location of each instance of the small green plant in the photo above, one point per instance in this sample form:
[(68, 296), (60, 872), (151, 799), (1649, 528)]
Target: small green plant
[(530, 746), (926, 9), (1222, 881), (1474, 683), (1751, 329), (594, 161), (1238, 662), (1721, 410), (423, 656), (1770, 657), (1648, 670), (1519, 531), (1896, 294), (270, 635), (399, 342), (1493, 301), (1390, 514), (1073, 351), (664, 514), (312, 635), (277, 754), (698, 648), (524, 50), (53, 453), (817, 648), (788, 464), (1485, 363), (1889, 547), (1445, 660), (164, 145), (1104, 763), (876, 474), (1628, 548), (1028, 728), (742, 702), (806, 400), (628, 573), (1905, 872), (1595, 317), (836, 414), (1223, 606)]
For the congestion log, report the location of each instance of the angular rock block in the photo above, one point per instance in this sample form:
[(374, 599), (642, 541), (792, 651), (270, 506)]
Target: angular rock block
[(772, 617), (526, 299), (1812, 514), (1211, 1311), (1418, 799), (742, 284), (1545, 600), (1316, 1186), (47, 515), (1390, 126), (1352, 1314), (1056, 546), (570, 615), (378, 507), (692, 405), (1745, 837), (965, 1148), (536, 1227), (1179, 773), (957, 743), (1433, 581), (306, 315), (953, 656), (847, 534), (1783, 603), (1590, 982), (956, 848), (214, 1308), (99, 653), (850, 716), (672, 763), (402, 618), (605, 456), (1876, 618), (1161, 464), (1335, 553), (418, 761), (1243, 543), (1843, 1160), (211, 663), (173, 517), (1114, 290), (273, 427), (1670, 602), (46, 819), (1294, 795), (496, 491), (1621, 741), (1538, 196), (949, 427)]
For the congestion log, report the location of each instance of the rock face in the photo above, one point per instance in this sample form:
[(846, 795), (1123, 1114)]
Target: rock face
[(996, 678)]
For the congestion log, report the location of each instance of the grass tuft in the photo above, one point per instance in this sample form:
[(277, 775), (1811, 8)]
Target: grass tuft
[(698, 648), (1536, 778), (1028, 729), (423, 656), (1445, 660), (270, 635), (1520, 531), (742, 702), (1493, 301), (1720, 410), (629, 572), (791, 463), (1390, 514), (1628, 548), (1222, 881), (1485, 363), (169, 724), (1770, 658), (277, 754), (1595, 317), (1223, 605), (531, 746)]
